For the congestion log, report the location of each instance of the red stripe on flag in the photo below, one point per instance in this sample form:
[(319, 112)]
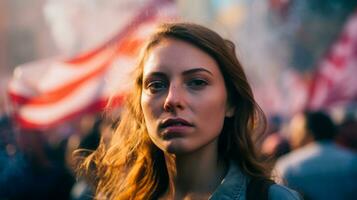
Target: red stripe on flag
[(60, 93), (94, 107)]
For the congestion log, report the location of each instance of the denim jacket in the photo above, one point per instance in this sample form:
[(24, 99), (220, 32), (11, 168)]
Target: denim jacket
[(234, 186)]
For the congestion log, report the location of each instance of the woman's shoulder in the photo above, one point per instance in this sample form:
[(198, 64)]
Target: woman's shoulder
[(277, 191)]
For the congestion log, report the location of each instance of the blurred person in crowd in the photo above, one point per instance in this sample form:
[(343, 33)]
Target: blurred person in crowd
[(101, 129), (347, 134), (35, 170), (187, 131), (81, 189), (31, 168), (319, 169), (12, 161), (298, 135), (85, 131), (347, 129), (275, 145)]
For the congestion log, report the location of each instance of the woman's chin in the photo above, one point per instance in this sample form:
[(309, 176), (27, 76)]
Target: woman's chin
[(176, 147)]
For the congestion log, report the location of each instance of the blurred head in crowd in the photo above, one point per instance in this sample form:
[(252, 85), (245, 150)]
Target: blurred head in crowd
[(274, 146), (320, 125), (191, 94), (311, 126), (299, 136)]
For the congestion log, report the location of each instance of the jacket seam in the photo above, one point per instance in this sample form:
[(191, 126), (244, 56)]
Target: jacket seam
[(237, 195)]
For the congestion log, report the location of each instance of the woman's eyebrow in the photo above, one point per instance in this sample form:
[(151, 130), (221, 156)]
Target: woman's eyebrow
[(195, 70), (158, 74)]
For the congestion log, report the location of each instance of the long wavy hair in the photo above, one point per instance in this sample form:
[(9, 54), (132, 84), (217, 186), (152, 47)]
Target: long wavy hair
[(132, 167)]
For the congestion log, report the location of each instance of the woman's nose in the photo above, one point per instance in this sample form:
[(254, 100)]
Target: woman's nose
[(174, 99)]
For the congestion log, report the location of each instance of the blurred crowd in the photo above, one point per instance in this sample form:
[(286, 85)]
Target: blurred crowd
[(41, 165), (311, 152), (315, 156)]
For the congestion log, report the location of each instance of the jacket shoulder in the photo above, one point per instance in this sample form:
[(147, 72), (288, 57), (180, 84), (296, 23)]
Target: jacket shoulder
[(277, 192)]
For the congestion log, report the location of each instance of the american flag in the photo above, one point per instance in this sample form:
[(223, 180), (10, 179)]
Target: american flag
[(49, 92), (335, 82)]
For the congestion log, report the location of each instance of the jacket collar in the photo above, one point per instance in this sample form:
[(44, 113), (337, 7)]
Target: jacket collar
[(233, 186)]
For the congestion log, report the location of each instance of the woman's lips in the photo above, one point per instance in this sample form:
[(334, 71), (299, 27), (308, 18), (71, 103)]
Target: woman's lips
[(175, 127), (174, 122)]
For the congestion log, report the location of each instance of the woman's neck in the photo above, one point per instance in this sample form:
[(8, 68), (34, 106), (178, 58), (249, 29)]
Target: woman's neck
[(198, 174)]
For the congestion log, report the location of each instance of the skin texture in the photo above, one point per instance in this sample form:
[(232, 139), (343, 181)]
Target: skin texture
[(181, 81)]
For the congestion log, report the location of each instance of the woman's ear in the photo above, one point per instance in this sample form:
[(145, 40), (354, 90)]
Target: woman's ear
[(230, 111)]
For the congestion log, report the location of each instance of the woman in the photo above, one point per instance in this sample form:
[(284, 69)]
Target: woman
[(187, 129)]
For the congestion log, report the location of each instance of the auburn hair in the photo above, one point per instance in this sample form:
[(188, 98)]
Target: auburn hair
[(132, 167)]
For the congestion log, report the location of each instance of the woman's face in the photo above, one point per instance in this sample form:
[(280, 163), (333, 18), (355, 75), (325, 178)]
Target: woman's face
[(184, 99)]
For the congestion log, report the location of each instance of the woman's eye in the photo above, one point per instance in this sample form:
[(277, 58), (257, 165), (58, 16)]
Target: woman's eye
[(197, 83), (156, 86)]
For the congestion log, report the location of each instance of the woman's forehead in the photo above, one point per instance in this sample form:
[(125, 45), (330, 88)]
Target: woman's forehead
[(173, 54)]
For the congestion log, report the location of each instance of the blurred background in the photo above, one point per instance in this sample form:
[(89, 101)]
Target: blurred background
[(62, 62)]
